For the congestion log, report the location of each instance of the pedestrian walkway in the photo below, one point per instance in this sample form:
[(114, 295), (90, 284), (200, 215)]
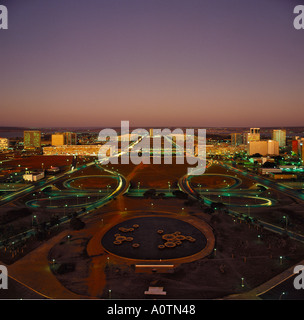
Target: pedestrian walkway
[(33, 272), (257, 292)]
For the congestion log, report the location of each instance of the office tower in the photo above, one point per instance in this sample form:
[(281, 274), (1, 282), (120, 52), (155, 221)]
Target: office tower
[(65, 138), (280, 136), (236, 139), (260, 147), (297, 144), (273, 148), (264, 148), (32, 139), (4, 143), (57, 139), (252, 135), (71, 138)]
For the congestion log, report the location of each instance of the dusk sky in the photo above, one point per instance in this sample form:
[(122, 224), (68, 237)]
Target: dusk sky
[(153, 62)]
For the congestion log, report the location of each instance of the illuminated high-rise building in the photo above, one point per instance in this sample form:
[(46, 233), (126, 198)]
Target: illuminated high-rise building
[(297, 144), (70, 138), (32, 139), (264, 148), (252, 135), (65, 138), (280, 136), (273, 147), (236, 139), (58, 139), (4, 143)]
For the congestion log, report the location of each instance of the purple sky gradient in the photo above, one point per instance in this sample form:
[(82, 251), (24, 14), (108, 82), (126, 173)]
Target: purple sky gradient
[(155, 63)]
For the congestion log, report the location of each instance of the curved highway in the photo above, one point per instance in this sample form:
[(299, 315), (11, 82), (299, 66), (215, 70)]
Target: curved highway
[(185, 186)]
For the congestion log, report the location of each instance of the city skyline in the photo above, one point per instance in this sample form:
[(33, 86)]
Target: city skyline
[(151, 150), (156, 64)]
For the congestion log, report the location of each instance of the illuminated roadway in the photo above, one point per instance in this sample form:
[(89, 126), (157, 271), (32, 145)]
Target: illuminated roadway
[(185, 186), (121, 188)]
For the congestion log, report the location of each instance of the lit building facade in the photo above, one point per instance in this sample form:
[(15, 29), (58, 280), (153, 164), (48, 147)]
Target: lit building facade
[(78, 150), (236, 139), (4, 143), (252, 135), (32, 139), (280, 137), (65, 138), (33, 176), (295, 146), (273, 148), (264, 148), (260, 147)]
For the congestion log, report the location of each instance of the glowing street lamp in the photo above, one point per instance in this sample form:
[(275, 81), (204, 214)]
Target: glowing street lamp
[(248, 210), (285, 218)]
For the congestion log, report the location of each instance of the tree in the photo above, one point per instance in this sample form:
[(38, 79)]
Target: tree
[(54, 220), (269, 164), (215, 219), (76, 224), (218, 206), (278, 159), (190, 202), (256, 155), (180, 194), (209, 210), (149, 193)]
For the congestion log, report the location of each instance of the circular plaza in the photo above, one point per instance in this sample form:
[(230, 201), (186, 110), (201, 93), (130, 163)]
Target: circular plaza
[(155, 238)]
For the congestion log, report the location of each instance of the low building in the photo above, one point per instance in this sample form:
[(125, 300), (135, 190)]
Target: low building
[(53, 170), (260, 160), (282, 176), (33, 176), (78, 150), (267, 171)]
